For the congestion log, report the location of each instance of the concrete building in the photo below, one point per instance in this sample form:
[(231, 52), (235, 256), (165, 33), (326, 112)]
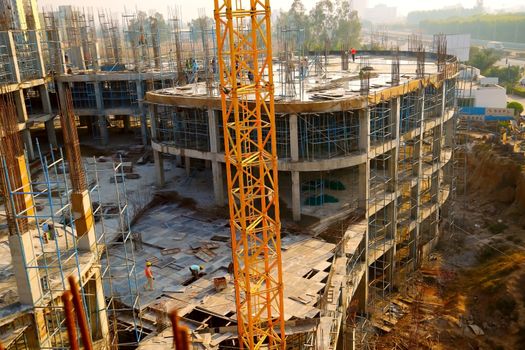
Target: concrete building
[(353, 147)]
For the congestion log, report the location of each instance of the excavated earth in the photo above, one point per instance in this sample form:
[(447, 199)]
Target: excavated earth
[(470, 293)]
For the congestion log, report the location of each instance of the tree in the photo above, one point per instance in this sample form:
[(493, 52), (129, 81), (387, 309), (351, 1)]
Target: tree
[(483, 58), (518, 107), (507, 76)]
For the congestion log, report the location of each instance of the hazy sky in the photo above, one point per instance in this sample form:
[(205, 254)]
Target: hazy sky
[(190, 8)]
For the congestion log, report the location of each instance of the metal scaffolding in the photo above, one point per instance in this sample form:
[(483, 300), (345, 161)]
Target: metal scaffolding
[(381, 204), (114, 238)]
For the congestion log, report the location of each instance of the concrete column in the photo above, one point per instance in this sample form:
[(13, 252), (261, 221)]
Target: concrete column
[(20, 103), (51, 134), (101, 306), (49, 124), (142, 111), (187, 165), (24, 267), (216, 167), (102, 123), (294, 138), (153, 121), (84, 221), (296, 196), (127, 123), (28, 142), (159, 168), (218, 186), (103, 129)]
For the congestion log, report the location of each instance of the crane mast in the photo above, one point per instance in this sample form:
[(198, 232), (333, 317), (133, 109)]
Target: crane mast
[(248, 116)]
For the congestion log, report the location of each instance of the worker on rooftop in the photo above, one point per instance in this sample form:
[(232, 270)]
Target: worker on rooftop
[(149, 275), (195, 269)]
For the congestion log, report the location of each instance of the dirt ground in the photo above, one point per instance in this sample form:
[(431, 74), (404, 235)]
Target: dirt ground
[(470, 293)]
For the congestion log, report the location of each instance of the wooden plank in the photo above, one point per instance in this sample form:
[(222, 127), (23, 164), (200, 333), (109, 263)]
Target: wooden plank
[(169, 251)]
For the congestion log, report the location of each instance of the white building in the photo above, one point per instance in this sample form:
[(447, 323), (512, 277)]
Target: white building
[(490, 94)]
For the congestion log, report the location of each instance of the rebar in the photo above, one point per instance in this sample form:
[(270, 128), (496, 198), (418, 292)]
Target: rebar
[(11, 150), (72, 145)]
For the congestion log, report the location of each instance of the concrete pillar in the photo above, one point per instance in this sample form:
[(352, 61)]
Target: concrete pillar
[(25, 265), (187, 165), (142, 111), (216, 167), (127, 123), (153, 121), (101, 305), (84, 221), (102, 123), (296, 196), (20, 103), (159, 168), (103, 129), (28, 142), (51, 134), (294, 138)]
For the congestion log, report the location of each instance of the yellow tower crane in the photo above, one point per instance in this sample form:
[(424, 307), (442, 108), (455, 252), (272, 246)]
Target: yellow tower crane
[(247, 94)]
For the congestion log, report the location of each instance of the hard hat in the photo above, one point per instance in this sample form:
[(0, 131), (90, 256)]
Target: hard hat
[(201, 267), (148, 263)]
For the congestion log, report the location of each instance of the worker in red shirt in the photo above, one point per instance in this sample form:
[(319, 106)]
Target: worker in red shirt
[(149, 275), (353, 52)]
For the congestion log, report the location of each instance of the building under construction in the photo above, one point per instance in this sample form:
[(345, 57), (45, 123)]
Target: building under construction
[(366, 175)]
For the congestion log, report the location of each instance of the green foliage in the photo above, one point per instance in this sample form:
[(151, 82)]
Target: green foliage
[(518, 107), (519, 91), (483, 58), (330, 25), (499, 27), (508, 76)]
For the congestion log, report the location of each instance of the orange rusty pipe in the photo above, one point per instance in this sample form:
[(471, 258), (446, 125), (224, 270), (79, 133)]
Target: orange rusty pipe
[(81, 316), (175, 328), (184, 341), (67, 298)]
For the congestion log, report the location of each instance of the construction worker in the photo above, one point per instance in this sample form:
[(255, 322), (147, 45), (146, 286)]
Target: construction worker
[(353, 52), (195, 270), (149, 275)]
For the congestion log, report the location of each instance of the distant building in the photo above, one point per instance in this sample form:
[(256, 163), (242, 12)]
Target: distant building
[(380, 14)]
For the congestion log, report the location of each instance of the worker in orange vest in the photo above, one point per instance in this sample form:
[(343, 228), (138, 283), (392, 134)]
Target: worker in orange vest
[(353, 52), (149, 275)]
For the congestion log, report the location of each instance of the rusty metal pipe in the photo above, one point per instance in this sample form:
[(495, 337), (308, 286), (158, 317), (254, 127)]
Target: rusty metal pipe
[(81, 316), (67, 299)]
